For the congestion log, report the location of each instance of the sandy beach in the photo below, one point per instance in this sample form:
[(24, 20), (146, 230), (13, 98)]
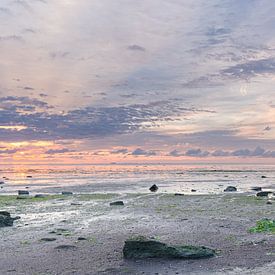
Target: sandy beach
[(83, 234)]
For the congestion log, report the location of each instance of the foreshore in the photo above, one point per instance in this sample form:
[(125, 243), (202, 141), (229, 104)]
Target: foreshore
[(83, 234)]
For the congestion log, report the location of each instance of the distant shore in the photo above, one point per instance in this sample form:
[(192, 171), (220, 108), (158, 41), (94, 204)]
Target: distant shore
[(83, 234)]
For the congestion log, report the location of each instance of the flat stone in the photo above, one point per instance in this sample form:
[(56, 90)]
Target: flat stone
[(65, 247), (143, 248), (263, 194), (256, 188), (67, 193), (48, 239), (117, 203), (23, 192)]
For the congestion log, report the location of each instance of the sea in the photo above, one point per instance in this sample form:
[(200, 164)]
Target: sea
[(135, 178)]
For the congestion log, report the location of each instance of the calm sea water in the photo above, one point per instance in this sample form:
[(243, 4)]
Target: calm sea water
[(135, 178)]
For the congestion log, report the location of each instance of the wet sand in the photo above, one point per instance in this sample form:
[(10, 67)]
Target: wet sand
[(220, 222)]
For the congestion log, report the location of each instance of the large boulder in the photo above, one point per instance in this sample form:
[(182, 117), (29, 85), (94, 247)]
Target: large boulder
[(263, 193), (153, 188), (142, 248), (6, 219)]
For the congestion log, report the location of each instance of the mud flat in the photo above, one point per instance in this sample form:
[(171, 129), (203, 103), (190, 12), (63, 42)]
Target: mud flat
[(84, 234)]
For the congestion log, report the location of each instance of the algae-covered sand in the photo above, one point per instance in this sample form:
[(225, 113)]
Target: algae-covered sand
[(83, 234)]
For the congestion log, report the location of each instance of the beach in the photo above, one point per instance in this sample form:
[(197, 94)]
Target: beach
[(83, 234)]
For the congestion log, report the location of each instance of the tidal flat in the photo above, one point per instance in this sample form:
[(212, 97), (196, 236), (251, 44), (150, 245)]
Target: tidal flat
[(83, 234)]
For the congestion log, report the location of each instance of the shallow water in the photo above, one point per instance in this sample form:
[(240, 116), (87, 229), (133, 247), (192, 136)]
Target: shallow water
[(135, 178)]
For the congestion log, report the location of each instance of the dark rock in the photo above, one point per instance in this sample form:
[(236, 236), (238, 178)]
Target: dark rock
[(268, 202), (23, 192), (29, 177), (263, 194), (81, 239), (153, 188), (2, 182), (256, 188), (65, 247), (67, 193), (76, 204), (193, 190), (40, 196), (179, 194), (117, 203), (48, 239), (6, 219), (263, 177), (230, 189), (142, 248)]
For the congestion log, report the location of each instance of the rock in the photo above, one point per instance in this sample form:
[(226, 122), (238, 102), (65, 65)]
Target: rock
[(48, 239), (65, 246), (268, 202), (40, 196), (23, 192), (142, 248), (81, 239), (179, 194), (153, 188), (256, 188), (6, 219), (230, 189), (29, 177), (193, 190), (263, 194), (67, 193), (263, 177), (117, 203), (76, 204), (2, 182)]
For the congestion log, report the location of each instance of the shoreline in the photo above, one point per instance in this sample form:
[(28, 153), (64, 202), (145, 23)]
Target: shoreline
[(218, 221)]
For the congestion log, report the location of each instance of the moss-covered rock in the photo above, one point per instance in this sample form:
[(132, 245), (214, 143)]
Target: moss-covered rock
[(142, 248)]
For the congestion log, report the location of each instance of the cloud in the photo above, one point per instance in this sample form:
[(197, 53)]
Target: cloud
[(85, 123), (136, 48), (120, 151), (58, 151), (8, 151), (251, 69), (196, 153), (141, 152)]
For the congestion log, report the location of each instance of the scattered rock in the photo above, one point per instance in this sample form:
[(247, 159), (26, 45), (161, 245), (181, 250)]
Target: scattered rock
[(263, 177), (117, 203), (65, 247), (193, 190), (153, 188), (2, 182), (29, 177), (48, 239), (268, 202), (179, 194), (23, 192), (263, 194), (67, 193), (142, 248), (230, 189), (256, 188), (6, 219)]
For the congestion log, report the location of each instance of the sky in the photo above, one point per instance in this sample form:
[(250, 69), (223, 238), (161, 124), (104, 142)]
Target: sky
[(105, 81)]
